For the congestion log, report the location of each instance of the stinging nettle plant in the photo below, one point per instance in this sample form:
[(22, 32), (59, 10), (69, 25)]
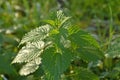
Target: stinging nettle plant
[(54, 45)]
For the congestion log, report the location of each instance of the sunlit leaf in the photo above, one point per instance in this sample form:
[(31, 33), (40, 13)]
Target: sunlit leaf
[(29, 52), (30, 67), (37, 34)]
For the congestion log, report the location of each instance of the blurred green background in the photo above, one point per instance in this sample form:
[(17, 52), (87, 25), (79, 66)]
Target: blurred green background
[(20, 16)]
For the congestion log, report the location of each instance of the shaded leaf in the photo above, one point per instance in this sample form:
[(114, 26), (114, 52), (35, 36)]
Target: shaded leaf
[(114, 48), (87, 47), (55, 63), (83, 38), (89, 54), (84, 74)]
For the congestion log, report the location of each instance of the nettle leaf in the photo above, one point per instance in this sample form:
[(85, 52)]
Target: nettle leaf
[(84, 74), (54, 45), (87, 47), (37, 34), (51, 22), (55, 63), (61, 18), (38, 41), (83, 38), (73, 29), (29, 52), (89, 54), (30, 67), (114, 48)]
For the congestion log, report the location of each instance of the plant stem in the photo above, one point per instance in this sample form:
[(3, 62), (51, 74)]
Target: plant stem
[(111, 25)]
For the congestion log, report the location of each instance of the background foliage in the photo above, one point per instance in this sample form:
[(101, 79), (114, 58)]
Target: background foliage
[(101, 19)]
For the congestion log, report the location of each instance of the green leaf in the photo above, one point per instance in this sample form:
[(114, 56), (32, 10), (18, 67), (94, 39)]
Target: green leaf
[(1, 39), (64, 20), (29, 52), (61, 18), (55, 47), (117, 66), (114, 74), (73, 29), (37, 34), (83, 38), (84, 74), (1, 78), (30, 67), (55, 63), (87, 47), (114, 48), (61, 39), (51, 22), (5, 64), (89, 54)]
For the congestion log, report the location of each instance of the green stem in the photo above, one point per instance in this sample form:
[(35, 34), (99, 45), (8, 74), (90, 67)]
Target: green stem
[(111, 25)]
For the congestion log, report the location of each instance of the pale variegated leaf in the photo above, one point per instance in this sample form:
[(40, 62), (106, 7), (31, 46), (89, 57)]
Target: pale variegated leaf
[(30, 67), (29, 52), (37, 34)]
